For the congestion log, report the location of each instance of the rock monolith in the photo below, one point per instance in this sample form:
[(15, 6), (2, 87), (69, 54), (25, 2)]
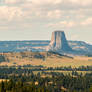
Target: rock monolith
[(58, 42)]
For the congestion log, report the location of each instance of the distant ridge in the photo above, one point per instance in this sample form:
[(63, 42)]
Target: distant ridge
[(58, 43)]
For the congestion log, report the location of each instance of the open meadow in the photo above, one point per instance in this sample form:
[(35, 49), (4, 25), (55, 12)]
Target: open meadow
[(44, 59)]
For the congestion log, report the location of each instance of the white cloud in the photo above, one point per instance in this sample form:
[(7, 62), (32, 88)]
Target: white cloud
[(86, 2), (12, 18), (45, 2), (14, 1), (10, 13), (46, 11), (62, 24), (87, 22), (55, 14), (81, 2)]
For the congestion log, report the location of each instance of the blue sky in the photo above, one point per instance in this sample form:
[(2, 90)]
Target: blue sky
[(37, 19)]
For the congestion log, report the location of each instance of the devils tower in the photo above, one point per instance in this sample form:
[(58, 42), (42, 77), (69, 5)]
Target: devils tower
[(59, 42)]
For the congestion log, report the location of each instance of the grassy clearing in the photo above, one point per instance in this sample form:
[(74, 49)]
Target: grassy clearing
[(3, 80)]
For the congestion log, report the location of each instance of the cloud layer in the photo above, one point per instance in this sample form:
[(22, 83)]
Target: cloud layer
[(49, 13)]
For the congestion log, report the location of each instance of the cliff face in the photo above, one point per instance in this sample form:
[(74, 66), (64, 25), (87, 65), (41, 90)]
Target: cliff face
[(59, 42)]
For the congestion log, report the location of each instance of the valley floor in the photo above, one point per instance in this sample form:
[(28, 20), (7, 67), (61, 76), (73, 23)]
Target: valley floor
[(50, 60)]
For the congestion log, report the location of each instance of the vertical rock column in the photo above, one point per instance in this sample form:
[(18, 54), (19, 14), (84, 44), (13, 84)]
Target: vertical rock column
[(59, 42)]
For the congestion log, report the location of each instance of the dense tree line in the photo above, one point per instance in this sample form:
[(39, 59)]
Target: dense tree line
[(57, 83), (81, 68), (42, 68), (24, 80)]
